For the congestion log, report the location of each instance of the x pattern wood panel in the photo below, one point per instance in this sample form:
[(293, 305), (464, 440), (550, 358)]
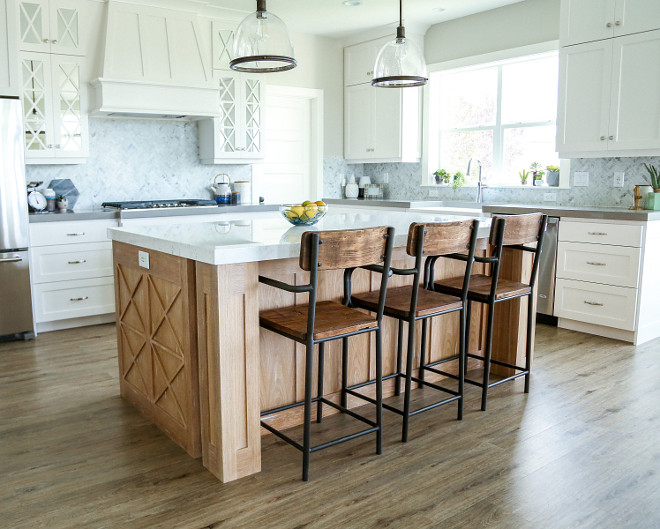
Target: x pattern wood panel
[(152, 331)]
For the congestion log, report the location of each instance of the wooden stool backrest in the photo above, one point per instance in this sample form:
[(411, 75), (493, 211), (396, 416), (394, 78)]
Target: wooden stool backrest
[(519, 229), (440, 238), (340, 249)]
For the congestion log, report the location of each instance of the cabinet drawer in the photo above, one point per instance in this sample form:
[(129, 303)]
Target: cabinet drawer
[(601, 233), (71, 261), (611, 265), (73, 299), (68, 232), (599, 304)]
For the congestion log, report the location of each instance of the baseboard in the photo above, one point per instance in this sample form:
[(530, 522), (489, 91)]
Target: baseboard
[(598, 330), (72, 323)]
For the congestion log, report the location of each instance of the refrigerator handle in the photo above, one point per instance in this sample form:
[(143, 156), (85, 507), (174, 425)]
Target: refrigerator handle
[(15, 259)]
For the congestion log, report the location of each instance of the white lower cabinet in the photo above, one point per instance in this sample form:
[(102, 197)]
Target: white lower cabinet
[(604, 282), (606, 305), (72, 275)]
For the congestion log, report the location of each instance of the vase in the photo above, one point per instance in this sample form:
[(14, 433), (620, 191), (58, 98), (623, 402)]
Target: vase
[(62, 204), (552, 178), (653, 201)]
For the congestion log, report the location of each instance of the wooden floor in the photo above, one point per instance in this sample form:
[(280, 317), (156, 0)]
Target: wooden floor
[(581, 450)]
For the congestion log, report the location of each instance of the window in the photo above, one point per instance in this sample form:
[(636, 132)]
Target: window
[(502, 113)]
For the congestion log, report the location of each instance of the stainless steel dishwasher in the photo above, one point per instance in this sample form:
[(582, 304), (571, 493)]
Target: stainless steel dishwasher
[(545, 298)]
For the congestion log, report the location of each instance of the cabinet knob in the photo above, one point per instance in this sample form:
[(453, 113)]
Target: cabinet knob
[(602, 138), (617, 23), (58, 146), (49, 146), (370, 73), (54, 41), (45, 41), (611, 137), (609, 25)]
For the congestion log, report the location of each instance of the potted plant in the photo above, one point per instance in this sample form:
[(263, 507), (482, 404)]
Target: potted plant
[(653, 199), (442, 177), (524, 175), (458, 180), (537, 174), (62, 203), (552, 176)]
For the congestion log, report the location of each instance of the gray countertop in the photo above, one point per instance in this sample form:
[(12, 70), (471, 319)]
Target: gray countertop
[(95, 214), (391, 203), (580, 212)]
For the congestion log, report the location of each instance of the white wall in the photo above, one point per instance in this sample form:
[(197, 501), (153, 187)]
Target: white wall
[(512, 26)]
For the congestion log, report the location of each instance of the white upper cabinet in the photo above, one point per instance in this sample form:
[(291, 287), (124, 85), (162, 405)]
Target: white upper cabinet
[(9, 84), (589, 20), (51, 26), (56, 127), (380, 124), (359, 61), (236, 136), (609, 97)]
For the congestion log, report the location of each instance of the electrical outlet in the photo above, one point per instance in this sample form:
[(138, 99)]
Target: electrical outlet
[(581, 179), (618, 179), (386, 178), (549, 197), (143, 259), (433, 192)]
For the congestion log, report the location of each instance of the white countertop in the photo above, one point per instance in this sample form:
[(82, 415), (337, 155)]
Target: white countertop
[(263, 239)]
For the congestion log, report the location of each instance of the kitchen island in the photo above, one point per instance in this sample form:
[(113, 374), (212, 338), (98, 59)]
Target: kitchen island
[(192, 357)]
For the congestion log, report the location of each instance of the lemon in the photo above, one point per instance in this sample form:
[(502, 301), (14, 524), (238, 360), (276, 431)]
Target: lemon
[(307, 203), (320, 203), (291, 214), (304, 217), (312, 210), (298, 210)]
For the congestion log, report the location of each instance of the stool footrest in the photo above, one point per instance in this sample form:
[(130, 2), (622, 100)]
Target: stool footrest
[(440, 372), (435, 405), (434, 386), (441, 361), (349, 412), (282, 436), (497, 382), (343, 439), (362, 384), (286, 407)]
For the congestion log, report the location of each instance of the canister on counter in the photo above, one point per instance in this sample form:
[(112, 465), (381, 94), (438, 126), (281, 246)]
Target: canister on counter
[(235, 198)]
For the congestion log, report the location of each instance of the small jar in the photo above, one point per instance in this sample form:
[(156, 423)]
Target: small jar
[(235, 198), (50, 196)]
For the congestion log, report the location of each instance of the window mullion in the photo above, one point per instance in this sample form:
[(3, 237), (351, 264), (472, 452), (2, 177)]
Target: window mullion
[(498, 136)]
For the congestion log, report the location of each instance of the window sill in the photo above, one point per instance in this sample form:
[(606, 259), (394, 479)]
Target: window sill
[(499, 186)]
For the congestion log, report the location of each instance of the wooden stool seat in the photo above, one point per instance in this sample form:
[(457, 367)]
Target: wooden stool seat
[(332, 319), (397, 303), (480, 288)]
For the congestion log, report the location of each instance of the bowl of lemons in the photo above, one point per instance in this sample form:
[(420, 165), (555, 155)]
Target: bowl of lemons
[(307, 213)]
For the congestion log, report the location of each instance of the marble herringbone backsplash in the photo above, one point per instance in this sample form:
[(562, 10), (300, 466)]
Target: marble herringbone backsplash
[(404, 179), (138, 159)]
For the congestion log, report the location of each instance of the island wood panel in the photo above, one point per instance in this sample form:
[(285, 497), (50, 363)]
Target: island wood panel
[(156, 341), (228, 341), (283, 360)]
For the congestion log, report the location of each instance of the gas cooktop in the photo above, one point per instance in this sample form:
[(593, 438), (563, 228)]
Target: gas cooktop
[(155, 204)]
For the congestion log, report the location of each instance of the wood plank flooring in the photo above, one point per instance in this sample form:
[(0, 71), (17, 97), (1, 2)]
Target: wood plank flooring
[(582, 450)]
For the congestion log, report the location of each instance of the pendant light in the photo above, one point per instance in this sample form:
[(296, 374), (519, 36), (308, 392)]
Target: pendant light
[(400, 63), (262, 44)]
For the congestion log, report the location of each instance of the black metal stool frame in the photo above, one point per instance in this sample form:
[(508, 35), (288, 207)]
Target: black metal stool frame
[(306, 447), (495, 261), (426, 264)]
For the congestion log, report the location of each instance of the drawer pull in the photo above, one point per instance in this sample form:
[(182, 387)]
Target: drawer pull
[(593, 263), (85, 298), (593, 303), (75, 234), (78, 261), (596, 233), (15, 259)]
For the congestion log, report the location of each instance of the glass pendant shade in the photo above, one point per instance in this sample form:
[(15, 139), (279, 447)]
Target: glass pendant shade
[(262, 44), (400, 63)]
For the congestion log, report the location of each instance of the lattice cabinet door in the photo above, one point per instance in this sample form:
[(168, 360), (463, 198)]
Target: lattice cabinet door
[(227, 127), (34, 25), (65, 37), (223, 42), (37, 105), (252, 114), (70, 124)]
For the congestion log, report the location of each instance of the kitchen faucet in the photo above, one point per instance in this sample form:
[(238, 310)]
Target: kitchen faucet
[(480, 183)]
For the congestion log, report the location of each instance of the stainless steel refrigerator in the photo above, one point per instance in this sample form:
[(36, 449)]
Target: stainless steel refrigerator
[(15, 295)]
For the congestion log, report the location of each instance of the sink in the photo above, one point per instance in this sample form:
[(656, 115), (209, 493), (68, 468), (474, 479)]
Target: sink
[(450, 207)]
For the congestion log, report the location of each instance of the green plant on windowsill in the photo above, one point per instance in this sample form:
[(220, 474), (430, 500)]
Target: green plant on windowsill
[(524, 175), (458, 180), (537, 173), (552, 176), (442, 176)]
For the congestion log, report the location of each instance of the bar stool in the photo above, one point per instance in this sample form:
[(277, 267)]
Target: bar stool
[(413, 303), (507, 231), (320, 322)]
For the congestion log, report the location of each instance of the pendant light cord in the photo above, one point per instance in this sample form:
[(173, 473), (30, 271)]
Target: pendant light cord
[(400, 31)]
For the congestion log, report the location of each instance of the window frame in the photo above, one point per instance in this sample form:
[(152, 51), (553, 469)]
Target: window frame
[(431, 149)]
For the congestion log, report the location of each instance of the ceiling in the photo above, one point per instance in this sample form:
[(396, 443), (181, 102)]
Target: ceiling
[(331, 18)]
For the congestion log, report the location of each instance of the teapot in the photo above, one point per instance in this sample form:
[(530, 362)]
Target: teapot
[(221, 189)]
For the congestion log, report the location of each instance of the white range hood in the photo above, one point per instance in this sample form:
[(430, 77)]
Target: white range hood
[(153, 66)]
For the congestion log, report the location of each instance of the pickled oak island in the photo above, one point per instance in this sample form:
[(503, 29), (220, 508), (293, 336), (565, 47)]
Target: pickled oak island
[(192, 357)]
